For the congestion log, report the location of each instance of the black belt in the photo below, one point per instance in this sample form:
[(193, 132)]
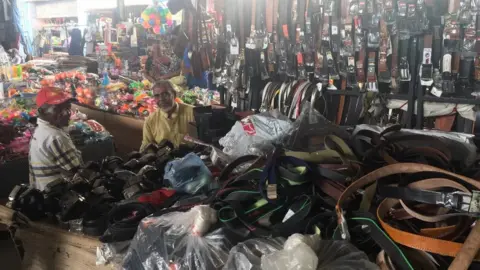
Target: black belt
[(122, 225)]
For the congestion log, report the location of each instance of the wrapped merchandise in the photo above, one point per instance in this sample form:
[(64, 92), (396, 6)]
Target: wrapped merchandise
[(255, 134), (247, 255), (188, 174), (180, 240), (297, 252)]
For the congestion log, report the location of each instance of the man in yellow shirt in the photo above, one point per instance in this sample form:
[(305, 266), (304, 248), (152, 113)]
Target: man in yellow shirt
[(170, 121)]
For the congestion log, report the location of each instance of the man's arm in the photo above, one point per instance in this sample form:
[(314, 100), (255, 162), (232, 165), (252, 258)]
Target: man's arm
[(66, 155), (147, 135)]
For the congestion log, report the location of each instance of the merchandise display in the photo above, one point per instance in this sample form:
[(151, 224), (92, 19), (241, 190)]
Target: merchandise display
[(18, 120), (302, 153), (180, 210)]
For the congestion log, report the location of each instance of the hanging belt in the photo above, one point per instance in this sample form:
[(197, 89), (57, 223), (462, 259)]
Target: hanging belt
[(372, 84), (242, 66), (384, 75), (361, 55), (450, 61), (403, 65), (389, 12), (437, 46), (299, 38), (309, 48), (468, 53), (361, 68), (282, 45), (426, 70), (271, 17), (291, 53)]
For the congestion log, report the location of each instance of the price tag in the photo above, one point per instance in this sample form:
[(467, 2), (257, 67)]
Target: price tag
[(334, 30), (436, 92), (234, 50)]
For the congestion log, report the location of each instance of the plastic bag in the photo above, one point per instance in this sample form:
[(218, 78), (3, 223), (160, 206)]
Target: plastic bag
[(255, 134), (330, 255), (111, 253), (308, 131), (189, 174), (179, 240), (247, 255), (298, 253), (280, 254)]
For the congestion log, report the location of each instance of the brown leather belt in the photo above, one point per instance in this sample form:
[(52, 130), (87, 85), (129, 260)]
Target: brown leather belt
[(383, 71), (425, 243)]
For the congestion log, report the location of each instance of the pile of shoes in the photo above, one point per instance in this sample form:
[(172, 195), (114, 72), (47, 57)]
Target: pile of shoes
[(102, 194)]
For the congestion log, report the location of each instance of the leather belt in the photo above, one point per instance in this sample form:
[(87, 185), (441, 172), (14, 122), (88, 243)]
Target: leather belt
[(426, 73), (404, 67), (429, 244), (300, 38), (360, 66), (271, 18), (384, 75), (395, 49), (372, 84)]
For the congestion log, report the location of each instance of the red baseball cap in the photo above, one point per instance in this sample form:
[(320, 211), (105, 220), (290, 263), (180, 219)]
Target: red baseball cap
[(52, 96)]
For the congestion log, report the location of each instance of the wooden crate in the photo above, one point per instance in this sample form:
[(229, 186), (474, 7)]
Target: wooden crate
[(48, 248)]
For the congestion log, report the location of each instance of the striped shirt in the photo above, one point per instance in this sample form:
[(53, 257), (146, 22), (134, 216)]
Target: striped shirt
[(159, 126), (52, 153)]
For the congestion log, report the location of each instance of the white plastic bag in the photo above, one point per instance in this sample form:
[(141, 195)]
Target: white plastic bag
[(280, 254), (255, 133), (299, 253)]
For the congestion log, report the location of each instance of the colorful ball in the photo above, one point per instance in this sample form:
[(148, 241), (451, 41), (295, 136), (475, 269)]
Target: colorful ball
[(145, 17), (151, 22), (141, 20), (156, 29), (153, 16)]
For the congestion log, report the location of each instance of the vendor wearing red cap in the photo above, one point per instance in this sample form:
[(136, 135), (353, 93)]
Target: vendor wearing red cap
[(52, 153)]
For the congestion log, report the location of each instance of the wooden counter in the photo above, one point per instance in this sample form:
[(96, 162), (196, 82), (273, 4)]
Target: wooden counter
[(49, 248)]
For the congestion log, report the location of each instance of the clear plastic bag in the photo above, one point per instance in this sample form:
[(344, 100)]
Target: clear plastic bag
[(297, 252), (308, 131), (179, 240), (189, 174), (255, 134), (112, 253), (247, 255)]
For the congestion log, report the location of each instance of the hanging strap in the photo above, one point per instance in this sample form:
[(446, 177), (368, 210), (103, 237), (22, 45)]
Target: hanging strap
[(372, 84), (384, 75), (426, 72)]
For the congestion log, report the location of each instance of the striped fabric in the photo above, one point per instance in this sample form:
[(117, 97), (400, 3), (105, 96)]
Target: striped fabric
[(158, 126), (52, 153)]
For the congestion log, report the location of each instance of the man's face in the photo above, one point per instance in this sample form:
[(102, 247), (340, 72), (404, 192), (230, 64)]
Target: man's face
[(62, 114), (165, 97)]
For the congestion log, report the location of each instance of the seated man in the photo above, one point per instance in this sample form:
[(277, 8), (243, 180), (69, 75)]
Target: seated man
[(52, 152), (170, 121)]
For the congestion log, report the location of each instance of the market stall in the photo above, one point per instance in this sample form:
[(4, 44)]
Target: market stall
[(322, 171)]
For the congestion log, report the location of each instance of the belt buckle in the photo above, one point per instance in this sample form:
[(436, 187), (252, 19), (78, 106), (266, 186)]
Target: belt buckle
[(462, 201), (343, 226)]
